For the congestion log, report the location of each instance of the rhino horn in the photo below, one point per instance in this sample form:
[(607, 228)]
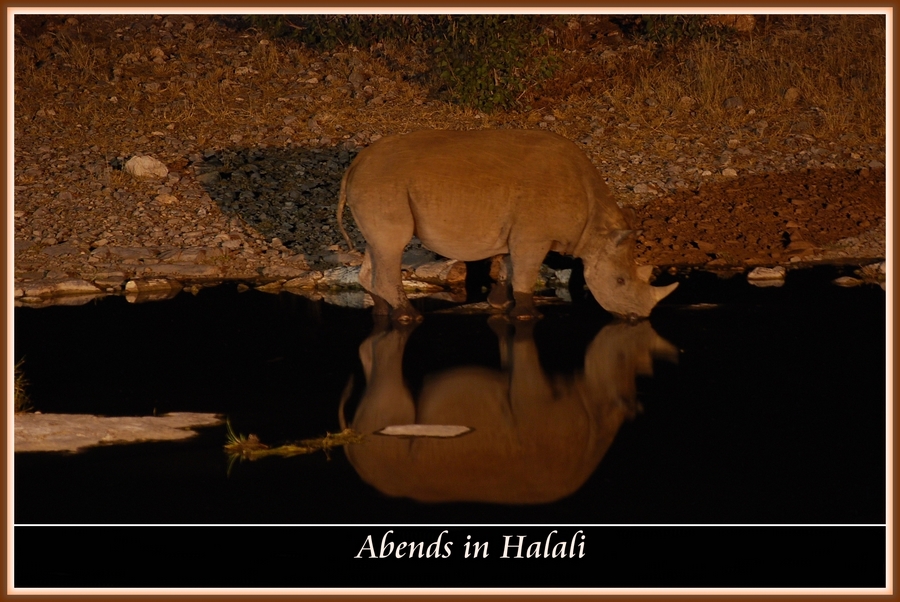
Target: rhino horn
[(660, 292), (644, 272)]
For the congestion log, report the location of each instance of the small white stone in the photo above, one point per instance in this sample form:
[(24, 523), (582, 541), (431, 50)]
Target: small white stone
[(146, 167)]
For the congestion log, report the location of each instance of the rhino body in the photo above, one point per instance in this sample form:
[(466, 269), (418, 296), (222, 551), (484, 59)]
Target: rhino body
[(471, 195), (536, 437)]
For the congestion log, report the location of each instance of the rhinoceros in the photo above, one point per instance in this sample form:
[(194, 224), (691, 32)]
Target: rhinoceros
[(535, 437), (472, 195)]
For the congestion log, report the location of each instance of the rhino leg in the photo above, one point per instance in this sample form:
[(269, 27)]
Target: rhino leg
[(380, 275), (499, 296), (526, 261)]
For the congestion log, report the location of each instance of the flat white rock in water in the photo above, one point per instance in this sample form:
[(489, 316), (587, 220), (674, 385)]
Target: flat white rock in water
[(766, 276), (70, 432), (424, 430)]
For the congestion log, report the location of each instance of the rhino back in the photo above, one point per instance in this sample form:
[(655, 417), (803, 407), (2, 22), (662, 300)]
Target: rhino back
[(467, 190)]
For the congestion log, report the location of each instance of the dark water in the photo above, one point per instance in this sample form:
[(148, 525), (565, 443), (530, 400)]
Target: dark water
[(773, 413)]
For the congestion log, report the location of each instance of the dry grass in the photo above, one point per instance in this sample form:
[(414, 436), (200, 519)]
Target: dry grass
[(96, 87), (836, 63), (20, 398)]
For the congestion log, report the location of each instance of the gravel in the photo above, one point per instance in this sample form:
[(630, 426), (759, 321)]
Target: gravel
[(257, 203)]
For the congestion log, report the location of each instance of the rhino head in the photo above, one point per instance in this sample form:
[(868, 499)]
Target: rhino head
[(617, 283)]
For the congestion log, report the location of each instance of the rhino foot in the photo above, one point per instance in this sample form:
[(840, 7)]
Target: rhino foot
[(499, 296), (524, 308), (406, 315)]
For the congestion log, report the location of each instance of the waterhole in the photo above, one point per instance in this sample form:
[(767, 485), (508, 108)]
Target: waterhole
[(733, 404)]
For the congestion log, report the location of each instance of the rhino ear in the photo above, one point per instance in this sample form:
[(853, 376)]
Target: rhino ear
[(630, 216), (620, 236), (644, 272)]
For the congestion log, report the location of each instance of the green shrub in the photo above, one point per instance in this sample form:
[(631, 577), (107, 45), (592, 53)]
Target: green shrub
[(485, 62), (671, 29)]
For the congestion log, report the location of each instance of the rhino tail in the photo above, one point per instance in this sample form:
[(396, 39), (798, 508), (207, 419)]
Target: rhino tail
[(342, 201)]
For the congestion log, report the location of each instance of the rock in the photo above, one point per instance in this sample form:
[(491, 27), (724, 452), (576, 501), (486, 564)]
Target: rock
[(272, 287), (210, 177), (129, 252), (762, 276), (165, 199), (109, 279), (729, 172), (414, 258), (342, 277), (792, 95), (49, 288), (563, 277), (22, 245), (847, 281), (146, 167), (74, 287), (190, 270), (354, 299), (60, 250), (152, 284), (734, 102), (307, 280), (445, 272), (189, 254), (70, 432), (279, 271), (424, 430)]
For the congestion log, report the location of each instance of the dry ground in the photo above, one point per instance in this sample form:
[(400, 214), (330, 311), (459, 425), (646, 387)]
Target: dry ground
[(793, 170)]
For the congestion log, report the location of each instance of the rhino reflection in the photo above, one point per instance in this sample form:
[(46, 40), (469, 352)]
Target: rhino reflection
[(536, 438)]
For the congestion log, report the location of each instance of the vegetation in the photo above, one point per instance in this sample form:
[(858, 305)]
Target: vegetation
[(20, 398), (240, 447), (485, 62), (110, 90)]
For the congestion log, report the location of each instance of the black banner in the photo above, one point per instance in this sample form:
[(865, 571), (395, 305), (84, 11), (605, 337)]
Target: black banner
[(449, 557)]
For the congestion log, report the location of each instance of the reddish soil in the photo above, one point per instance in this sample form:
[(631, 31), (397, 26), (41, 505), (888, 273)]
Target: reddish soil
[(765, 219)]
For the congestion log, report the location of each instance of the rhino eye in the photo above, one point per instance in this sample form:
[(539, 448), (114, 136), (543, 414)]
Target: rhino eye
[(620, 280)]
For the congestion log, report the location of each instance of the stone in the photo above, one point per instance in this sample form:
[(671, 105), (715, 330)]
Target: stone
[(847, 281), (307, 280), (54, 287), (70, 432), (272, 287), (210, 177), (193, 270), (190, 254), (151, 284), (146, 167), (734, 102), (424, 430), (340, 277), (729, 172), (448, 271), (74, 287), (60, 250), (792, 95), (129, 252), (763, 273), (281, 271), (165, 199)]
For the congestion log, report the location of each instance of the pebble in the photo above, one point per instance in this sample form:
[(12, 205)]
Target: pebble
[(146, 167), (215, 200)]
